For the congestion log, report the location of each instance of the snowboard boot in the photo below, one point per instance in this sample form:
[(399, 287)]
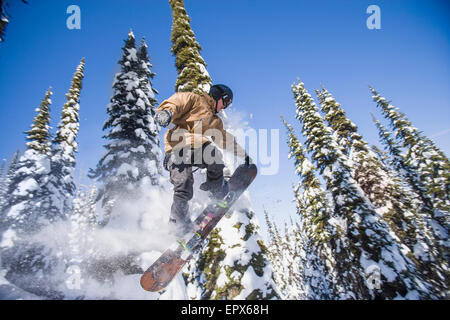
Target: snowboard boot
[(180, 228), (217, 189)]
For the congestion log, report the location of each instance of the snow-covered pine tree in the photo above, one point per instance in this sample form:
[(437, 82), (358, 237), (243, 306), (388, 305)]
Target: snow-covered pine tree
[(407, 178), (2, 169), (3, 20), (4, 15), (39, 134), (245, 271), (133, 156), (32, 265), (6, 180), (296, 265), (315, 232), (424, 166), (146, 75), (27, 176), (275, 253), (85, 207), (5, 185), (285, 256), (191, 68), (232, 265), (368, 172), (344, 130), (83, 223), (393, 153), (393, 203), (365, 242), (405, 175), (24, 213), (421, 155), (61, 185), (395, 162), (13, 164), (2, 186), (38, 138), (153, 161), (383, 156)]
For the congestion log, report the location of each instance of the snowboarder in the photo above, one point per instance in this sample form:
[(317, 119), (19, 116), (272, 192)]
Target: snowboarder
[(188, 143)]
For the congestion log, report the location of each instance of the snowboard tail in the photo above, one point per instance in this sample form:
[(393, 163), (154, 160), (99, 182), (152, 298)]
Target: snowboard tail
[(163, 270)]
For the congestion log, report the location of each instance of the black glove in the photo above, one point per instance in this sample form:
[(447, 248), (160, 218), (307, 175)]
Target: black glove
[(248, 160), (163, 117)]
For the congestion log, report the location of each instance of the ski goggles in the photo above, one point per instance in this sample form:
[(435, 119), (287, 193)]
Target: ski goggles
[(226, 101)]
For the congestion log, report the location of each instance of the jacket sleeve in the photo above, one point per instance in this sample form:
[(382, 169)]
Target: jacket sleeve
[(178, 104), (227, 141)]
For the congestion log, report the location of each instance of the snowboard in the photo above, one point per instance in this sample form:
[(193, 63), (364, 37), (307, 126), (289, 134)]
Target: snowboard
[(164, 269)]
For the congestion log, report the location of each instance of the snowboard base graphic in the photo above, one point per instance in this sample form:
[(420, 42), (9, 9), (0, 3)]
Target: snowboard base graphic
[(163, 270)]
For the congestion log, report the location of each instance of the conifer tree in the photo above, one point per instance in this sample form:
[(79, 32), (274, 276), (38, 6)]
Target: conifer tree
[(406, 176), (25, 213), (315, 231), (392, 202), (191, 68), (146, 76), (219, 270), (2, 168), (39, 134), (434, 255), (8, 175), (367, 171), (84, 208), (27, 176), (279, 254), (422, 155), (132, 162), (365, 241), (295, 260), (133, 156), (383, 156), (3, 20), (145, 84), (233, 264), (395, 162), (274, 252), (4, 17), (83, 222), (2, 186), (61, 186), (423, 166)]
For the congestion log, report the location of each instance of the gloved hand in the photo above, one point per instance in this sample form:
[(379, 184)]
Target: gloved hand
[(163, 117), (248, 160)]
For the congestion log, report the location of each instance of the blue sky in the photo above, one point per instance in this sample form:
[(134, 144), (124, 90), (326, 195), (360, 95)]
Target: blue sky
[(258, 48)]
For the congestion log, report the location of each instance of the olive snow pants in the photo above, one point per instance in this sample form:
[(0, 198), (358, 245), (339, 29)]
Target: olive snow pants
[(180, 164)]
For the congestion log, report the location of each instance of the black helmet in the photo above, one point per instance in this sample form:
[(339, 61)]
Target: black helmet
[(222, 91)]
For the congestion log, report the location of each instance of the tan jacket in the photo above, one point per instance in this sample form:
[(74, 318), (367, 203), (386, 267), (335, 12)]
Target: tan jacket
[(193, 115)]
